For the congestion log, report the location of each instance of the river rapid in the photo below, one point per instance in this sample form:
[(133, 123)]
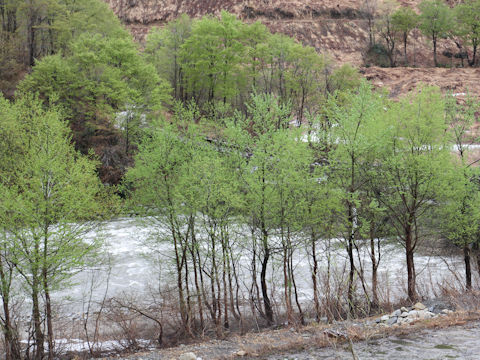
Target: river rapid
[(137, 263)]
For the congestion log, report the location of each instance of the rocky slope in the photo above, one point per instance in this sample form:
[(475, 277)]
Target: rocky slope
[(335, 27)]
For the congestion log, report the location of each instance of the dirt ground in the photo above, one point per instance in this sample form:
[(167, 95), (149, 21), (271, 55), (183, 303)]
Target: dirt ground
[(291, 339), (334, 27)]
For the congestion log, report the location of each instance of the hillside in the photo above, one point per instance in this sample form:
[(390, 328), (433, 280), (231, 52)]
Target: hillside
[(337, 28)]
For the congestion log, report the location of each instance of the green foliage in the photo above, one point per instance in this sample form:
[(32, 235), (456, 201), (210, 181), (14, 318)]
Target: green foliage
[(345, 78), (49, 192), (462, 211), (163, 50), (467, 15), (218, 61), (435, 21), (50, 198), (212, 56), (101, 77), (405, 20)]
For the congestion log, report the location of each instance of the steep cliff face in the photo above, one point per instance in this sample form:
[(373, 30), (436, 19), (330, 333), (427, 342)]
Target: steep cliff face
[(338, 28)]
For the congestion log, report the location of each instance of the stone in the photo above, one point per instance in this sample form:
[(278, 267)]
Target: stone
[(447, 311), (413, 314), (392, 320), (397, 312), (422, 314), (404, 314), (419, 306), (384, 318), (188, 356), (404, 309), (241, 353)]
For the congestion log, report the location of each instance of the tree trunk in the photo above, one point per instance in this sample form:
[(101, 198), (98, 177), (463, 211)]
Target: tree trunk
[(197, 286), (181, 299), (374, 267), (474, 58), (12, 348), (37, 323), (351, 273), (405, 35), (292, 277), (468, 268), (412, 295), (316, 301), (435, 52), (48, 309), (286, 282), (263, 281)]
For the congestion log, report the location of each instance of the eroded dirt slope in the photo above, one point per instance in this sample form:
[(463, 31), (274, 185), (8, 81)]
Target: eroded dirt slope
[(334, 27)]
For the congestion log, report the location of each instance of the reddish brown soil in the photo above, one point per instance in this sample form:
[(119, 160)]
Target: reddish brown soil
[(334, 27)]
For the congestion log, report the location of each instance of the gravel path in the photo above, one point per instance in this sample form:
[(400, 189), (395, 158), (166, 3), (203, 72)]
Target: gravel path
[(459, 342), (455, 342)]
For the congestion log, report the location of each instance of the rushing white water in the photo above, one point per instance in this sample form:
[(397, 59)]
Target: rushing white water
[(138, 265)]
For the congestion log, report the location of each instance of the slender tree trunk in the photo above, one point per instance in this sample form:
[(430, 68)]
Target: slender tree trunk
[(409, 248), (37, 323), (187, 291), (263, 280), (316, 301), (435, 52), (12, 348), (181, 298), (46, 290), (230, 268), (226, 325), (474, 59), (405, 35), (476, 249), (286, 280), (48, 309), (292, 277), (468, 268), (374, 266), (351, 273), (197, 288)]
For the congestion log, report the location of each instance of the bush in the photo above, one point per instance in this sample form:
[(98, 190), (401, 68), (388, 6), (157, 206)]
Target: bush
[(376, 55)]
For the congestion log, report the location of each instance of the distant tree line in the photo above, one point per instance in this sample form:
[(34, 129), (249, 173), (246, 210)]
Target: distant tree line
[(392, 24)]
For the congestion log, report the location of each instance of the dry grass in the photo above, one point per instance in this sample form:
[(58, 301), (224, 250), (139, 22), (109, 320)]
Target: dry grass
[(312, 336)]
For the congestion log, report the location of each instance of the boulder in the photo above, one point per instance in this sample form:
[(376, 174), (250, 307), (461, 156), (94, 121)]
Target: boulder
[(392, 320), (413, 314), (419, 306), (397, 312), (384, 318), (404, 309), (188, 356), (404, 314), (241, 353), (423, 314)]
